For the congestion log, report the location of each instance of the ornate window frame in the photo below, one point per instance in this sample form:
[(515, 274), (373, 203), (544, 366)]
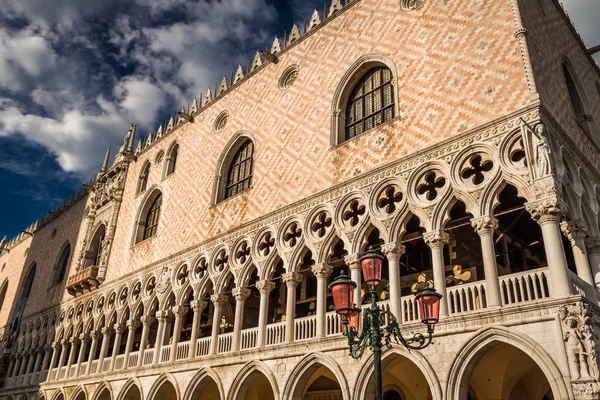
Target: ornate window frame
[(60, 262), (94, 249), (342, 93), (142, 184), (170, 164), (140, 219), (230, 150), (588, 128)]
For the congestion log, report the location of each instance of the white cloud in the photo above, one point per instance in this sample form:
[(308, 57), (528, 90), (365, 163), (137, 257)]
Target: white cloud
[(140, 98)]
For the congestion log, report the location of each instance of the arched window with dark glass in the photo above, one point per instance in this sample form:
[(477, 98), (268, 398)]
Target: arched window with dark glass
[(371, 102), (239, 173), (151, 220), (28, 283), (143, 179), (62, 265), (172, 160), (577, 101), (3, 290)]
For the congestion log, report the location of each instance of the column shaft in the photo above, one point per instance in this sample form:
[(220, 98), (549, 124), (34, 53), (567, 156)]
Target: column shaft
[(485, 227), (322, 272), (436, 240), (291, 280), (214, 337)]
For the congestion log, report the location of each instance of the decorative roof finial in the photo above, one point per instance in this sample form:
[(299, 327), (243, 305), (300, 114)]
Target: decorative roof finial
[(314, 20), (106, 158), (276, 47), (336, 5), (223, 86), (208, 97), (138, 148), (239, 74), (170, 125), (294, 34), (257, 62), (194, 106)]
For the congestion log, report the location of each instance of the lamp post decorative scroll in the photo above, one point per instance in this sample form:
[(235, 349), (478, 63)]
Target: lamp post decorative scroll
[(375, 334)]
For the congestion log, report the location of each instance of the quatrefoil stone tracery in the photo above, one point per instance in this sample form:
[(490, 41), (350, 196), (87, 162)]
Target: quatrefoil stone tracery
[(243, 253), (222, 260), (430, 185), (354, 210), (321, 224), (476, 169), (389, 199), (292, 234), (266, 244)]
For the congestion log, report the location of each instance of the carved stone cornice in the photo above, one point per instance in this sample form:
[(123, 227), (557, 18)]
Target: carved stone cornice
[(484, 226)]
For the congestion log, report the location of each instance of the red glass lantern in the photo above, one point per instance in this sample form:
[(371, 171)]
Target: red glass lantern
[(354, 319), (342, 289), (429, 305), (371, 263)]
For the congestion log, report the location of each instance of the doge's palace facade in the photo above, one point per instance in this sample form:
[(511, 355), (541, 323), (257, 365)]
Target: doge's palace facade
[(461, 138)]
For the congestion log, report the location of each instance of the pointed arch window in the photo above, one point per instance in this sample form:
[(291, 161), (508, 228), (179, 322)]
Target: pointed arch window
[(577, 101), (239, 173), (94, 253), (26, 290), (3, 290), (371, 102), (143, 179), (61, 266), (172, 160), (151, 220)]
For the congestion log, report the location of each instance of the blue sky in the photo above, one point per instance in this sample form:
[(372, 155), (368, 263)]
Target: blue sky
[(75, 73)]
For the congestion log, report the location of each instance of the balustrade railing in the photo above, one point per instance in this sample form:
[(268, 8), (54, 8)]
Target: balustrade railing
[(133, 359), (183, 350), (83, 368), (524, 286), (466, 297), (63, 373), (581, 287), (120, 361), (72, 370), (106, 364), (275, 333), (333, 323), (410, 309), (224, 344), (305, 328), (94, 367), (165, 353), (202, 346), (249, 338), (148, 357)]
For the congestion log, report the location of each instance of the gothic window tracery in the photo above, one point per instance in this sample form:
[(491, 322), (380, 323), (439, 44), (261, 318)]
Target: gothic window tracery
[(371, 102), (172, 160), (143, 179), (239, 173), (62, 265), (577, 100), (151, 220)]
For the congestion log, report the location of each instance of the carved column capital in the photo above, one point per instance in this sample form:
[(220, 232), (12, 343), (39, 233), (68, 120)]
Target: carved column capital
[(393, 250), (593, 245), (217, 298), (65, 343), (95, 335), (291, 278), (265, 286), (107, 330), (573, 230), (74, 341), (180, 310), (322, 270), (484, 226), (550, 210), (240, 293), (198, 305), (133, 324), (85, 338), (161, 316), (435, 239), (119, 328), (147, 320), (353, 261)]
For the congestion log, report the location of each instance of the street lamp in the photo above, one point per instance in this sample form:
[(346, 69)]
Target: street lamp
[(374, 330)]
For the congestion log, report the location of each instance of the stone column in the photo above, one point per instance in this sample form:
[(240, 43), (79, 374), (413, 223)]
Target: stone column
[(161, 317), (353, 263), (54, 347), (95, 335), (147, 320), (38, 360), (30, 361), (132, 325), (197, 306), (180, 312), (322, 272), (547, 214), (17, 367), (575, 232), (593, 247), (119, 330), (240, 294), (436, 240), (106, 337), (63, 353), (485, 228), (71, 360), (264, 287), (217, 300), (85, 340), (291, 279), (11, 367), (393, 251)]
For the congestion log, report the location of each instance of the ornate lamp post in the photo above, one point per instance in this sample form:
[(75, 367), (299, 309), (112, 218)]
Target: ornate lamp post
[(374, 330)]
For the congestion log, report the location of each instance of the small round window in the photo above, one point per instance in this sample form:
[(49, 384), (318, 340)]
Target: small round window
[(288, 77), (221, 122)]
